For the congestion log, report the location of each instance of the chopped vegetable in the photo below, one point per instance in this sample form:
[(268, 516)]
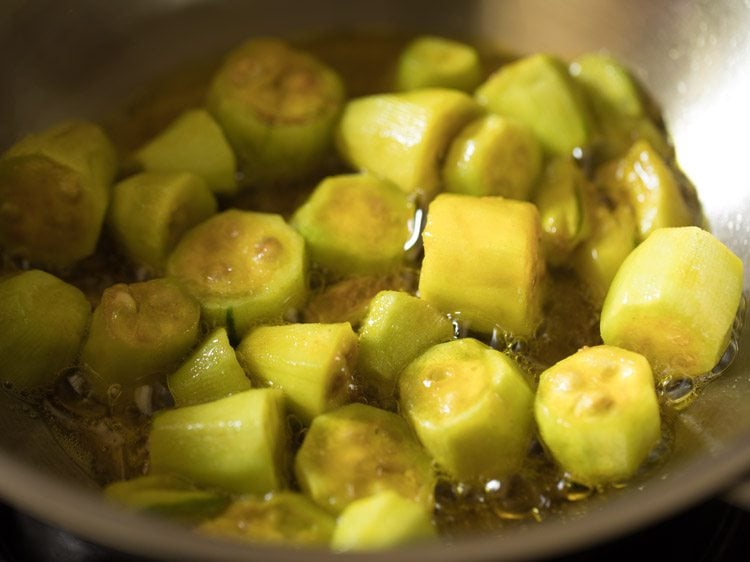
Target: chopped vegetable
[(436, 62)]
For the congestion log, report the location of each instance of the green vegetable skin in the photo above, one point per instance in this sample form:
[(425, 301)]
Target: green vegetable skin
[(436, 62)]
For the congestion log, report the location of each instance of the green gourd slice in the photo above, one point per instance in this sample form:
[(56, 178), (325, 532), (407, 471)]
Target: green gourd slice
[(195, 143), (245, 268), (404, 136), (211, 372), (471, 407), (54, 190), (151, 211), (674, 300), (397, 328), (43, 321), (237, 444), (598, 414), (356, 224), (538, 90), (429, 61), (282, 518), (483, 262), (493, 155), (139, 332), (312, 363), (277, 106), (358, 450), (381, 521)]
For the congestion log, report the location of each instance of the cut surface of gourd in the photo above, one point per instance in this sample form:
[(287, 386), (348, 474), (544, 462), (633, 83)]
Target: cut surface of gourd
[(674, 300), (598, 414), (483, 262)]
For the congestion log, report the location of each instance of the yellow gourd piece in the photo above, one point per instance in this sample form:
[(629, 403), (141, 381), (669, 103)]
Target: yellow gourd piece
[(194, 143), (151, 211), (538, 90), (653, 190), (54, 191), (237, 444), (564, 199), (312, 363), (403, 137), (397, 328), (282, 518), (245, 268), (43, 321), (483, 262), (357, 450), (139, 332), (277, 106), (598, 414), (471, 407), (166, 496), (437, 62), (356, 224), (674, 300), (383, 520), (493, 155), (211, 372)]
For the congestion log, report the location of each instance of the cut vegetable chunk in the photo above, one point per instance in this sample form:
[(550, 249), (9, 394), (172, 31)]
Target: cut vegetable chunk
[(358, 450), (285, 518), (311, 363), (194, 143), (598, 414), (402, 137), (383, 520), (483, 262), (674, 300), (245, 268), (539, 91), (54, 190), (278, 107), (211, 372), (356, 224), (150, 212), (43, 321), (493, 155), (138, 332), (397, 328), (436, 62), (471, 408), (237, 443)]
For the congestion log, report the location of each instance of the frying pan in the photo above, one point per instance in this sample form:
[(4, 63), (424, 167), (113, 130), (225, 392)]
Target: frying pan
[(63, 58)]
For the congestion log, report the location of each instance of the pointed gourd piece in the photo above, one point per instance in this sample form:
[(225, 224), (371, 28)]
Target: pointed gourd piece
[(151, 211), (278, 107), (398, 327), (244, 268), (598, 414), (166, 496), (383, 520), (471, 407), (138, 332), (437, 62), (43, 321), (312, 363), (54, 191), (237, 444), (356, 224), (211, 372), (358, 450), (281, 518), (493, 155), (490, 276), (674, 300), (403, 137), (539, 91), (195, 143)]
